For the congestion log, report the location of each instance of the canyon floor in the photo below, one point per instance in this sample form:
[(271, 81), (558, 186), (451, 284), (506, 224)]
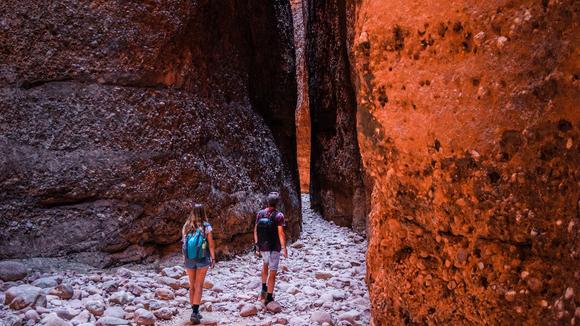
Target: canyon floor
[(321, 282)]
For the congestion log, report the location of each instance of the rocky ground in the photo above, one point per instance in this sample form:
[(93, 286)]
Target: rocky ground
[(322, 282)]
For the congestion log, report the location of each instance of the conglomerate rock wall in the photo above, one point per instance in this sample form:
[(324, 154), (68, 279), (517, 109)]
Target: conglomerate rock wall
[(468, 127), (115, 116)]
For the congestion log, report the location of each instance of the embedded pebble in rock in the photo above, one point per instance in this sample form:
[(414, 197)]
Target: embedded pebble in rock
[(12, 271), (236, 283)]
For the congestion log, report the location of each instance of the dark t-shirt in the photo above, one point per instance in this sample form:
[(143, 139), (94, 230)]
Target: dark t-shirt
[(278, 220)]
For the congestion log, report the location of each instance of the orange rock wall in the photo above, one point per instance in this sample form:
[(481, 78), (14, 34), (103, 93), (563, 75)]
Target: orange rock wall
[(468, 125)]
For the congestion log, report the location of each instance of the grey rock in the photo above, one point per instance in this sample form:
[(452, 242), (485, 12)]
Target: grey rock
[(111, 321), (46, 282), (144, 317), (114, 311), (22, 296), (12, 271)]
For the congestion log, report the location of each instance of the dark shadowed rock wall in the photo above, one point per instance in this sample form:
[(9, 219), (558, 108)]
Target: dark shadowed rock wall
[(336, 177), (115, 116), (468, 127)]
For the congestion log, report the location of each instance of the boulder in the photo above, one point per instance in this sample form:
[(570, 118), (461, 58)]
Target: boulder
[(164, 294), (52, 319), (114, 311), (163, 313), (248, 310), (111, 321), (63, 291), (47, 282), (12, 271), (274, 307), (144, 317), (22, 296), (95, 307), (320, 317)]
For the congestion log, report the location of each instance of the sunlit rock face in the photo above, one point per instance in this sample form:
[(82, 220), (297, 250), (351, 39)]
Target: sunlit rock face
[(116, 116), (467, 124), (337, 180), (302, 111)]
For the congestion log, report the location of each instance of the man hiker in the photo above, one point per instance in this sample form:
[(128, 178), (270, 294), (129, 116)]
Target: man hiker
[(270, 240)]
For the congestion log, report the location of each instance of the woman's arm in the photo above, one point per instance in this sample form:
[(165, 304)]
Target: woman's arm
[(211, 247)]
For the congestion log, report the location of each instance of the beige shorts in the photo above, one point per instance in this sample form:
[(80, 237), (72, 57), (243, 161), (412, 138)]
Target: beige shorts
[(271, 258)]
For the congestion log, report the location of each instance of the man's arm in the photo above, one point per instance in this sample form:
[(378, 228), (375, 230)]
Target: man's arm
[(282, 237)]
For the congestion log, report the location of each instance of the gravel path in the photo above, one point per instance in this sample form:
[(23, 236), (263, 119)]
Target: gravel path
[(322, 282)]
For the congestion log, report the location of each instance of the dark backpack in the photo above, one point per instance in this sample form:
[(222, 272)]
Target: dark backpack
[(267, 230)]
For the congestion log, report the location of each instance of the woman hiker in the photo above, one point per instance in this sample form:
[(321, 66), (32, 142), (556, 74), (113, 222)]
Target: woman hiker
[(199, 254)]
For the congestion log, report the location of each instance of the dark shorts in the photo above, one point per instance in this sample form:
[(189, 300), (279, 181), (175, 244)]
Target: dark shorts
[(196, 264)]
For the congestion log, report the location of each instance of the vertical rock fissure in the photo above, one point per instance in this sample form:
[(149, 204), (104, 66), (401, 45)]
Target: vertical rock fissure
[(337, 182)]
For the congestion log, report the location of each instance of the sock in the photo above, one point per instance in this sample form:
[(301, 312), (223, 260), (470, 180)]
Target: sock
[(264, 287), (269, 297), (195, 308)]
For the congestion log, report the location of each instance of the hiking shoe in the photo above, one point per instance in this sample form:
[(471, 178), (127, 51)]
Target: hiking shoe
[(263, 295), (195, 318)]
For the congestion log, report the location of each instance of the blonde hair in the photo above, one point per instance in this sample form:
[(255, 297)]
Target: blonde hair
[(195, 219)]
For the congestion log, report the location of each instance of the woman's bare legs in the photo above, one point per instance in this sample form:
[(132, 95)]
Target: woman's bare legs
[(199, 278), (191, 276)]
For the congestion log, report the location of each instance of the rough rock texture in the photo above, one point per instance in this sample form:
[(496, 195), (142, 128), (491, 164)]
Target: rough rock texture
[(337, 181), (468, 125), (115, 116), (302, 112)]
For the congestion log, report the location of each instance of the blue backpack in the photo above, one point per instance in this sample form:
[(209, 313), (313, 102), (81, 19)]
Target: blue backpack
[(196, 244)]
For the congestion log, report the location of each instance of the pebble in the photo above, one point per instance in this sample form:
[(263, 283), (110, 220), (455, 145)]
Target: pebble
[(569, 294)]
